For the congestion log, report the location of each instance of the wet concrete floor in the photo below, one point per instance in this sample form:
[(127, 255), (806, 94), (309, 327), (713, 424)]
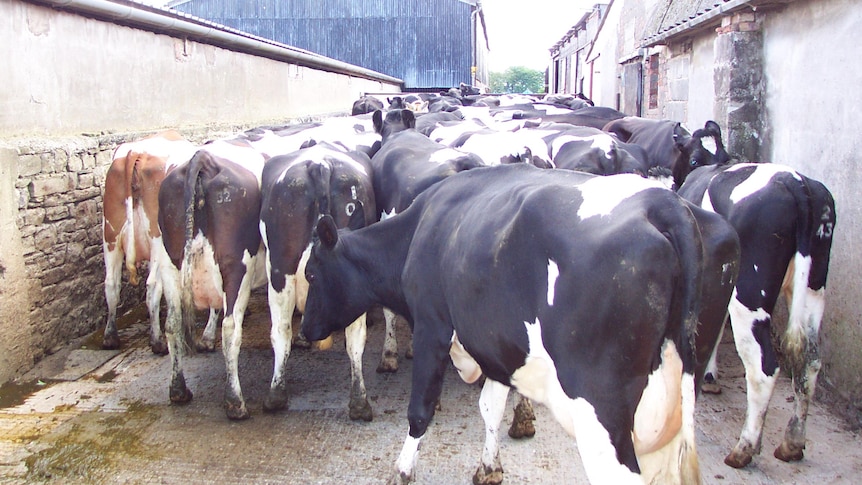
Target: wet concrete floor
[(108, 420)]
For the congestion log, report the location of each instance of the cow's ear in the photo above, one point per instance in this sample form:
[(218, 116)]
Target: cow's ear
[(680, 136), (713, 129), (377, 119), (357, 219), (408, 118), (326, 231)]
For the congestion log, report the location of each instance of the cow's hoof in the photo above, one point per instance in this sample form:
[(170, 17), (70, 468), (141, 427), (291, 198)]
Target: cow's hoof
[(275, 401), (486, 475), (159, 347), (300, 342), (360, 409), (111, 342), (737, 459), (205, 345), (181, 395), (388, 363), (236, 412), (789, 453), (400, 478)]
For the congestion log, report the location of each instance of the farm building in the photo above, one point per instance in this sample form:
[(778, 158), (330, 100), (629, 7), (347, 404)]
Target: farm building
[(566, 73), (430, 45), (776, 76)]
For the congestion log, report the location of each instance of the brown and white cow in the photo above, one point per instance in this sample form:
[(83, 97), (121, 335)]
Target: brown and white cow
[(213, 255), (130, 227)]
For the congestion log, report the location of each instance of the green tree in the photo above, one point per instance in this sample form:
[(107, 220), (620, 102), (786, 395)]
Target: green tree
[(518, 79)]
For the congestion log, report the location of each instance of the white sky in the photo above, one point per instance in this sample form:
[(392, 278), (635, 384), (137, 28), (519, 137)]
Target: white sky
[(520, 32)]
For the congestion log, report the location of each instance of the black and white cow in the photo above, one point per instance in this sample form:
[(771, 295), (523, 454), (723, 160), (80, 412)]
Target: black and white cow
[(366, 104), (668, 144), (213, 255), (296, 190), (536, 279), (594, 151), (785, 223), (407, 163)]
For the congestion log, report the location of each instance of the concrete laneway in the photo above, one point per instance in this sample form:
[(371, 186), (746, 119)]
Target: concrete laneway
[(113, 424)]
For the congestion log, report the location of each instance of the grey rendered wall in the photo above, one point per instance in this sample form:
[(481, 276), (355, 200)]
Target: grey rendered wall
[(813, 101), (73, 90)]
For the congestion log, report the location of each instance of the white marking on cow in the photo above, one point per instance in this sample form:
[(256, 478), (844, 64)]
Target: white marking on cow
[(553, 274), (599, 141), (350, 208), (756, 268), (551, 110), (492, 406), (537, 380), (387, 215), (759, 179), (709, 144), (759, 385), (408, 455), (445, 155), (602, 194), (245, 156), (806, 309), (468, 368)]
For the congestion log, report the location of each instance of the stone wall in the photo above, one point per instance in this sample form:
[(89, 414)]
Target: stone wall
[(81, 86)]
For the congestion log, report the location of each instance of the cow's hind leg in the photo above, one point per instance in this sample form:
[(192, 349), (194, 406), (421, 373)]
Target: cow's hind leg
[(492, 404), (710, 378), (355, 336), (234, 403), (803, 357), (428, 371), (751, 333), (389, 357), (113, 275), (664, 424), (207, 340), (158, 344), (179, 392), (281, 306)]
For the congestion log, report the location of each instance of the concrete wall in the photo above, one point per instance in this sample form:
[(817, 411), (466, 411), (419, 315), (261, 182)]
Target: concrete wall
[(813, 100), (75, 88)]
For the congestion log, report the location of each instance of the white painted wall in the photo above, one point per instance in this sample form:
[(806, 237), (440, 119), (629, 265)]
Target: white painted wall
[(700, 83), (68, 74), (604, 86)]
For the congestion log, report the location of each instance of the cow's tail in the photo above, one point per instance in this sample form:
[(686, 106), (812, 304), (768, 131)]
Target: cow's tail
[(320, 174), (193, 201), (133, 182), (807, 272)]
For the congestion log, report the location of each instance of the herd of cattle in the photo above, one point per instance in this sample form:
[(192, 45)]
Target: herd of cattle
[(586, 259)]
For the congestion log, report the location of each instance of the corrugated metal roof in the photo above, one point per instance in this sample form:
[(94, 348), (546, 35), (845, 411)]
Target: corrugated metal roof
[(427, 44)]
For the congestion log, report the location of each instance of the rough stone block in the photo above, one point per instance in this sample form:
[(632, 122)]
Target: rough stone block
[(29, 165), (45, 238), (76, 162), (56, 213), (55, 184), (86, 180)]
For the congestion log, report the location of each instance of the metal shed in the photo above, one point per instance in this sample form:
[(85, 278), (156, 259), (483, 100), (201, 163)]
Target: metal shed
[(430, 45)]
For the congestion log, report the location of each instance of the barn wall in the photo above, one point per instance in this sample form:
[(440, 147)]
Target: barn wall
[(427, 44), (812, 81), (78, 87)]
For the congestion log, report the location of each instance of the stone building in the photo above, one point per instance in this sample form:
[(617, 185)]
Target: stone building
[(778, 77)]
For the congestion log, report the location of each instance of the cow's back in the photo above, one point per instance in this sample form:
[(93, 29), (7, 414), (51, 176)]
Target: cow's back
[(487, 256)]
